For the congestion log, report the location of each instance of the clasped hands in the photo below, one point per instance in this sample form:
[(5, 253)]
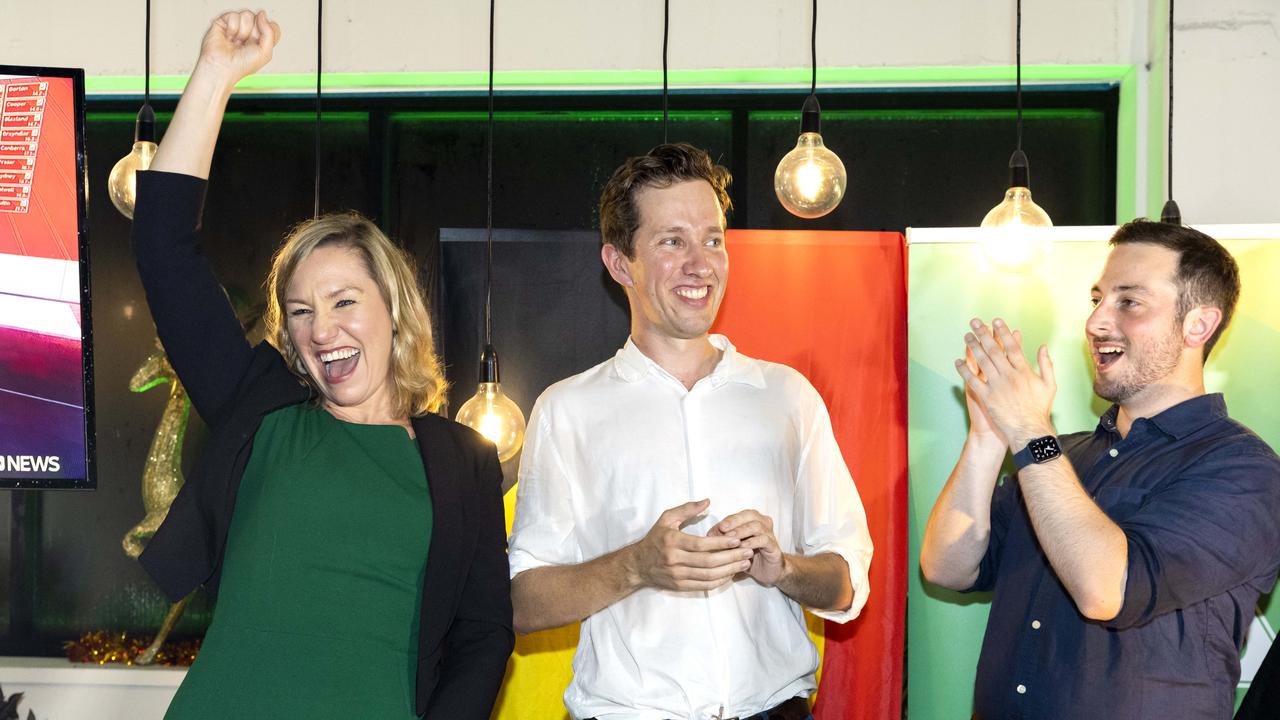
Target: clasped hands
[(1009, 402), (669, 558)]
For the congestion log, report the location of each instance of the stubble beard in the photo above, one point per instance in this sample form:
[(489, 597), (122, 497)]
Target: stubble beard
[(1154, 363)]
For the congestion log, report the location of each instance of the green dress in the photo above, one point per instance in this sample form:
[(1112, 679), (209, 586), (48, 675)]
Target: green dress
[(317, 612)]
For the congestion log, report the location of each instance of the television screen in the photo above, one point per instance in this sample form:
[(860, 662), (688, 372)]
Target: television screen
[(46, 361)]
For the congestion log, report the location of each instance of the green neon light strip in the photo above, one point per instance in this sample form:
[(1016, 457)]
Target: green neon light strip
[(647, 79), (966, 114), (562, 116)]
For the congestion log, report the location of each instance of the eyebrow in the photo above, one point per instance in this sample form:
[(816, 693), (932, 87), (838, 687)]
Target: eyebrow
[(329, 295), (1139, 289)]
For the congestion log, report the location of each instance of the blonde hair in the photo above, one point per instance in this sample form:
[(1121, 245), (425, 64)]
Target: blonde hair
[(418, 383)]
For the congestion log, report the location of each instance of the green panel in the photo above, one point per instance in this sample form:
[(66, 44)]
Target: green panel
[(585, 79), (952, 282)]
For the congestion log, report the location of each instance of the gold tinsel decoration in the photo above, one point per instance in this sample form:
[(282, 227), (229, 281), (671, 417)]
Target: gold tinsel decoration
[(102, 648)]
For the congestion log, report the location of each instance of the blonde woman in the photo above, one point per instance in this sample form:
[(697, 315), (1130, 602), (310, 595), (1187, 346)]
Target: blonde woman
[(355, 539)]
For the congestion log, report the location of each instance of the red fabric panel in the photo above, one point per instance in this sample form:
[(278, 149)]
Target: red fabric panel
[(833, 306)]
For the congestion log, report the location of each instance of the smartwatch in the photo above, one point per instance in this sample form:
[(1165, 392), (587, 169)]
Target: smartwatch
[(1040, 450)]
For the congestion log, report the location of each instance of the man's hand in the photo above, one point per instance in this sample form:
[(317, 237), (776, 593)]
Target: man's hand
[(755, 531), (1015, 399), (672, 559), (238, 44)]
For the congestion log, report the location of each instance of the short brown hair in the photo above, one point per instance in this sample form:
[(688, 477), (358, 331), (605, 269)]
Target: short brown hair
[(418, 383), (1207, 275), (661, 167)]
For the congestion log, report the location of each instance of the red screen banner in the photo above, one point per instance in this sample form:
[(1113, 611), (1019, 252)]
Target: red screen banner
[(833, 306)]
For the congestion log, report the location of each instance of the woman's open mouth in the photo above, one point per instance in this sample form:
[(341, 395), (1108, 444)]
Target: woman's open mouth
[(339, 364)]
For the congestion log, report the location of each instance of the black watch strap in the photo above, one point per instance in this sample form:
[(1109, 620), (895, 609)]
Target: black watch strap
[(1039, 450)]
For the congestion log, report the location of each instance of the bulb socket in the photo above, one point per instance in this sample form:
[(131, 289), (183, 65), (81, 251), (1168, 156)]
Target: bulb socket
[(1019, 170), (810, 116), (145, 129), (489, 365), (1171, 214)]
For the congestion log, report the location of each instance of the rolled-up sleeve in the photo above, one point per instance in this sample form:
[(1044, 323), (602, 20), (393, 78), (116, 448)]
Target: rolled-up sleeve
[(1003, 500), (829, 512), (543, 532), (1212, 529)]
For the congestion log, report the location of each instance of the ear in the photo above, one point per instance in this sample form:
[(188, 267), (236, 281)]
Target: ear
[(1199, 325), (617, 264)]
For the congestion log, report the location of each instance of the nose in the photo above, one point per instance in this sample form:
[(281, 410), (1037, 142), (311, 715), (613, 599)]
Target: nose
[(323, 328), (697, 262), (1100, 322)]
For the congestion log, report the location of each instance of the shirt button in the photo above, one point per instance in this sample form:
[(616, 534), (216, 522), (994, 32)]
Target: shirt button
[(1114, 452), (1022, 689), (1035, 624)]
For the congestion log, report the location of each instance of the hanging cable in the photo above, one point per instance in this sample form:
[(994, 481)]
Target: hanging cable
[(146, 86), (1170, 213), (1170, 139), (488, 219), (813, 51), (666, 30), (319, 69), (1018, 63)]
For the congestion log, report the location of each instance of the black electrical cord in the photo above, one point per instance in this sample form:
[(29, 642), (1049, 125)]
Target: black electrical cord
[(1170, 161), (488, 221), (666, 31), (813, 51), (319, 68), (1018, 64), (146, 91)]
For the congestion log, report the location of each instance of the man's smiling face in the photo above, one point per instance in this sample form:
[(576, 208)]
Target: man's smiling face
[(1134, 333), (677, 278)]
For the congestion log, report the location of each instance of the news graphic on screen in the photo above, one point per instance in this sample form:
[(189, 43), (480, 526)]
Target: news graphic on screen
[(46, 393)]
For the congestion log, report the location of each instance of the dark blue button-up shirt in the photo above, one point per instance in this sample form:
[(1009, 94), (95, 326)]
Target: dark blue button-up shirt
[(1198, 497)]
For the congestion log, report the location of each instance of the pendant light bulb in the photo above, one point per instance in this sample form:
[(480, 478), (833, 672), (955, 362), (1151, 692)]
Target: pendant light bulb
[(810, 180), (491, 413), (1017, 208), (122, 184)]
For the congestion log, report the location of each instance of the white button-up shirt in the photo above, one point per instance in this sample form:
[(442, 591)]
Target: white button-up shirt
[(611, 448)]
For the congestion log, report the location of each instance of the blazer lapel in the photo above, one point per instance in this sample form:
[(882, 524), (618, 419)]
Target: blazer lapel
[(442, 579)]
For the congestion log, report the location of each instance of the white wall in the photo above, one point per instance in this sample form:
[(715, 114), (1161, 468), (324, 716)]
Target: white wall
[(1227, 65)]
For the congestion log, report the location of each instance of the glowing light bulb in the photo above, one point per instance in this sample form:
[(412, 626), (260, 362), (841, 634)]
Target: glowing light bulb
[(491, 413), (122, 184), (810, 180), (495, 416), (1017, 208)]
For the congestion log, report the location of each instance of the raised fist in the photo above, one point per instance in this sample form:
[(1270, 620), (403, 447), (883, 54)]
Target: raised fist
[(239, 43)]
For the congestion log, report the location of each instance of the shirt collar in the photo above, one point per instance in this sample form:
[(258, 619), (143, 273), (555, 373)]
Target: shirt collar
[(630, 364), (1180, 420)]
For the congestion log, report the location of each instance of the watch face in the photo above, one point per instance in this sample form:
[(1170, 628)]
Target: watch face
[(1045, 448)]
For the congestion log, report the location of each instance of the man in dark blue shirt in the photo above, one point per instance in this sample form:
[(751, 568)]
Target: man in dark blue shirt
[(1125, 562)]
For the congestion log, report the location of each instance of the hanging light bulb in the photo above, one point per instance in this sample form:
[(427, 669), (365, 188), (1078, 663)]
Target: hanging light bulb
[(1017, 208), (810, 180), (122, 184), (491, 413)]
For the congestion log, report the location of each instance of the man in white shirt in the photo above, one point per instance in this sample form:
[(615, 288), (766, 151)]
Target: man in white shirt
[(682, 500)]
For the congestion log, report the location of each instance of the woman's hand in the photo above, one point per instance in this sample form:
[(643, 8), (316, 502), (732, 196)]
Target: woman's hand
[(238, 44)]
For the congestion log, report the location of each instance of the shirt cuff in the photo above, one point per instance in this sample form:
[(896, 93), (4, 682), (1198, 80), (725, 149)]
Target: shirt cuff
[(1139, 591), (858, 568)]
